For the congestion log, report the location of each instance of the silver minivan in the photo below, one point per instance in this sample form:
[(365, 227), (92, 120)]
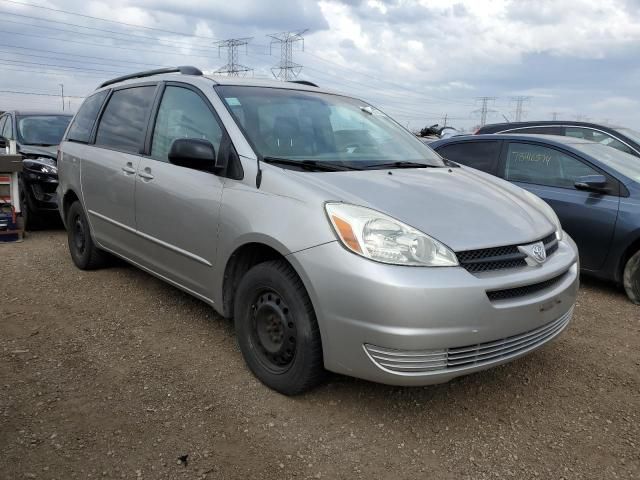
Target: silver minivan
[(334, 238)]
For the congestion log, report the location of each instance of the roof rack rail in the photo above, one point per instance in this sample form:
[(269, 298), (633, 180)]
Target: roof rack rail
[(184, 70), (304, 82)]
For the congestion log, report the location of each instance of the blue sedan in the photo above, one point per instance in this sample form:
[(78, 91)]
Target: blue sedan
[(594, 189)]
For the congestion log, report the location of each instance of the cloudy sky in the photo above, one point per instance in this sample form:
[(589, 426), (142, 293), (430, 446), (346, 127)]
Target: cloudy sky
[(418, 60)]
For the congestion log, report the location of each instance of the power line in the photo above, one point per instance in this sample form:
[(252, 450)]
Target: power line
[(39, 94), (27, 69), (65, 67), (232, 67), (66, 59), (105, 20), (155, 39), (106, 37), (287, 69), (74, 55), (160, 52), (397, 98), (381, 80)]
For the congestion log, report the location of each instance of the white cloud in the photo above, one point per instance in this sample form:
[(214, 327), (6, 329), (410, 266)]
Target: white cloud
[(419, 58)]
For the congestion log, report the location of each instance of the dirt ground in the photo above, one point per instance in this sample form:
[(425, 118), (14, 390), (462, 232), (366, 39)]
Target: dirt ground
[(114, 374)]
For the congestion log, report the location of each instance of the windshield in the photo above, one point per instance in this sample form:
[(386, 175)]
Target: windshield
[(299, 125), (625, 163), (632, 134), (42, 129)]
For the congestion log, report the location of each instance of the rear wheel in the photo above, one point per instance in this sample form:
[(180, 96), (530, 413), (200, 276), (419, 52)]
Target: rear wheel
[(84, 252), (277, 329), (631, 278)]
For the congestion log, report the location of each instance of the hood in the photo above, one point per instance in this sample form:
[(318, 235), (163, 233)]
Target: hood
[(461, 207), (50, 151)]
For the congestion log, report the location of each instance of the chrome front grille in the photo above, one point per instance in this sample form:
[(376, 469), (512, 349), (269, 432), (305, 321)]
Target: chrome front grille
[(416, 362), (499, 258)]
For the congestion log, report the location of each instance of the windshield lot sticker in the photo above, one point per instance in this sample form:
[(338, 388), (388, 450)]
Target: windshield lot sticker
[(232, 101), (540, 158)]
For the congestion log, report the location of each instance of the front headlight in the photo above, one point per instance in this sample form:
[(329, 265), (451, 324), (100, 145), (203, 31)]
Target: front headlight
[(40, 165), (382, 238)]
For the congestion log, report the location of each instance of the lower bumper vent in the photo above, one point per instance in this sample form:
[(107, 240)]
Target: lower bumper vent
[(417, 362), (524, 290)]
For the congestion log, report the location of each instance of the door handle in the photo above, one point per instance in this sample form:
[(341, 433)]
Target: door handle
[(146, 175), (128, 168)]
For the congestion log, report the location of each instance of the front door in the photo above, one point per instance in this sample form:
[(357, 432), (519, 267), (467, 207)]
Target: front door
[(589, 218), (176, 207)]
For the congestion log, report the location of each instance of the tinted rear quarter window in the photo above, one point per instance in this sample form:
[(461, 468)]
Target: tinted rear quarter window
[(124, 121), (481, 155), (80, 130)]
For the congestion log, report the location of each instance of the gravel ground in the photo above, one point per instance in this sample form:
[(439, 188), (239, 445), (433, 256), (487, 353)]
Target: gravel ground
[(114, 374)]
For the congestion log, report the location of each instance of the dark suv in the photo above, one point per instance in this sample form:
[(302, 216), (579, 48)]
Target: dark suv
[(621, 138), (35, 136)]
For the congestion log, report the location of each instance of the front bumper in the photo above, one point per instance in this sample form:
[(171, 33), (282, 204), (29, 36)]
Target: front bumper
[(403, 312), (40, 191)]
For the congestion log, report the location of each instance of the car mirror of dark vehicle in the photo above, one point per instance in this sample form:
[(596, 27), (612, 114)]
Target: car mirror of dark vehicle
[(195, 153), (3, 142), (592, 183)]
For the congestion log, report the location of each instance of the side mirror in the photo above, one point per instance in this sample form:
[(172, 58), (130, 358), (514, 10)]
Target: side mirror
[(4, 143), (194, 153), (592, 183)]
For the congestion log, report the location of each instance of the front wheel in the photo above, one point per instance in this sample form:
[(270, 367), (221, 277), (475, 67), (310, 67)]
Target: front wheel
[(277, 329), (84, 252), (631, 278)]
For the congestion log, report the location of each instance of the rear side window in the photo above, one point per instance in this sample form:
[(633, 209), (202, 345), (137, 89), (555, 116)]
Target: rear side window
[(80, 130), (481, 155), (124, 121)]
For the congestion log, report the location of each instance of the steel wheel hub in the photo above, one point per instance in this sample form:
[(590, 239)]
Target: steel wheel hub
[(79, 234), (274, 330)]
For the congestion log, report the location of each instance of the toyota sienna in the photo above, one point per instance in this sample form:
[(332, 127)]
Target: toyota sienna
[(333, 237)]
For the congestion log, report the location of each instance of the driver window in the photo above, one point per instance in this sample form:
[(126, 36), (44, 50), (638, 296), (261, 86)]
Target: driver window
[(543, 166), (183, 114)]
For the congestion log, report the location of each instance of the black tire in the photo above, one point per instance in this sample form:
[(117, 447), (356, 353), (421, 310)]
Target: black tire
[(30, 219), (277, 329), (84, 252), (631, 278)]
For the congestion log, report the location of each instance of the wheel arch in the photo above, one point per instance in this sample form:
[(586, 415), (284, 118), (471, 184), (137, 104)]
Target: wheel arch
[(241, 260), (68, 199), (629, 251)]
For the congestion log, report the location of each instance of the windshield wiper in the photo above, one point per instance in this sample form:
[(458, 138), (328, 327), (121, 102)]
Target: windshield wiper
[(399, 164), (311, 165), (39, 144)]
